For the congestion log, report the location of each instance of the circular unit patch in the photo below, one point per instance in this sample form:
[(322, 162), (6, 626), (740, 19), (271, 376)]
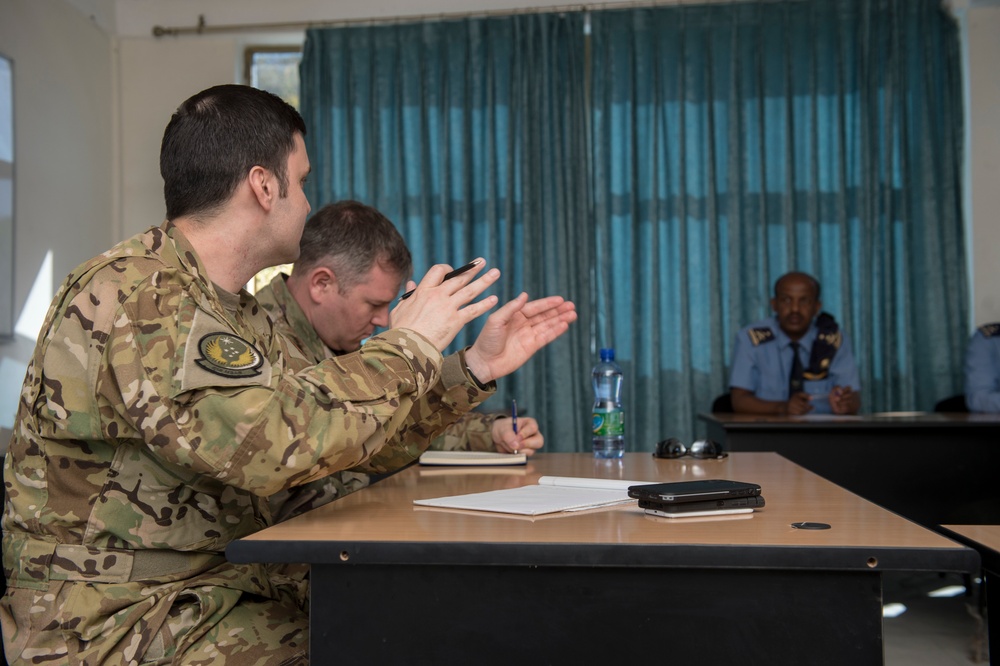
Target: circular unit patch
[(229, 355)]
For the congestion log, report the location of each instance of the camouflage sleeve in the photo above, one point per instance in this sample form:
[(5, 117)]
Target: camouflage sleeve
[(472, 432), (446, 402), (436, 411), (293, 501), (264, 430)]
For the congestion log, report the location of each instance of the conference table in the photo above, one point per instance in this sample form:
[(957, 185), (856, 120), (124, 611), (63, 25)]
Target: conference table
[(394, 583), (933, 468)]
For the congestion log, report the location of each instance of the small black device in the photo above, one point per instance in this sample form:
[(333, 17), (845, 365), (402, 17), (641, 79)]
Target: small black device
[(750, 502), (455, 273), (693, 491)]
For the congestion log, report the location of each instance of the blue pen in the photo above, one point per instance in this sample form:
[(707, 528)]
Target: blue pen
[(513, 417)]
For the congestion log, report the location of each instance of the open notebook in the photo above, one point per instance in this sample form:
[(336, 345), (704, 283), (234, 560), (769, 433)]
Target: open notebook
[(550, 495)]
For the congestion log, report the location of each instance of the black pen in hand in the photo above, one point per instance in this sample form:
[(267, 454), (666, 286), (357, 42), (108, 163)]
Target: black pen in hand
[(458, 271)]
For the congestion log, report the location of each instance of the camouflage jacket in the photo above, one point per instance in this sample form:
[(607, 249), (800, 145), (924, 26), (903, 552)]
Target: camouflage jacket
[(158, 411), (474, 431)]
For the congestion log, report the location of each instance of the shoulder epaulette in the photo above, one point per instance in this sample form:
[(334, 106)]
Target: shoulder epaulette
[(760, 335), (990, 330), (824, 348)]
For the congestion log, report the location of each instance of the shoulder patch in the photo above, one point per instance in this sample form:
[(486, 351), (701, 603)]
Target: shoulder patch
[(760, 335), (990, 330), (228, 355)]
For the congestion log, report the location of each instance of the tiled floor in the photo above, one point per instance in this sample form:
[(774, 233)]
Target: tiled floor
[(933, 631)]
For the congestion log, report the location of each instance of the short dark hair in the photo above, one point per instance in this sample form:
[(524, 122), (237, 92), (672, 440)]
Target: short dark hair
[(215, 138), (348, 237), (800, 275)]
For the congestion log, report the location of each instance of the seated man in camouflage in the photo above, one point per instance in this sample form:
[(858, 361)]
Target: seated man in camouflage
[(160, 410), (797, 361), (352, 264)]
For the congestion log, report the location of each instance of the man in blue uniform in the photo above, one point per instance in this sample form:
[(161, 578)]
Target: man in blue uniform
[(797, 361), (982, 370)]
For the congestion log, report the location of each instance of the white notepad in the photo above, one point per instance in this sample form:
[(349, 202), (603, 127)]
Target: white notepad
[(472, 458), (552, 494)]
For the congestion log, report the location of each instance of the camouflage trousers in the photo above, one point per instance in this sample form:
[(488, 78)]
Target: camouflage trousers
[(86, 623)]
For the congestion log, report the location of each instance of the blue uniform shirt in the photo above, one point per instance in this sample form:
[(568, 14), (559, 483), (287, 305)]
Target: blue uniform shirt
[(764, 368), (982, 370)]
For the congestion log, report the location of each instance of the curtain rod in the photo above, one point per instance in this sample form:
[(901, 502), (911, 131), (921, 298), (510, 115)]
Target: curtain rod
[(203, 28)]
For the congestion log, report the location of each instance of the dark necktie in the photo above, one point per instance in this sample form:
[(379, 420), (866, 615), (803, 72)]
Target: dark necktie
[(795, 377)]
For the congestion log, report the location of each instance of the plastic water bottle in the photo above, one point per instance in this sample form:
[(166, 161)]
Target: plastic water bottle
[(608, 416)]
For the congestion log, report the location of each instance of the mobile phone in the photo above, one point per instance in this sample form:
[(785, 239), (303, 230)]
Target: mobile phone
[(695, 514), (750, 502), (455, 273), (693, 491)]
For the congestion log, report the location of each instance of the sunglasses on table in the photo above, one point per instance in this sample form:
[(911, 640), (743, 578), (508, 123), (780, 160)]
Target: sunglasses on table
[(703, 449)]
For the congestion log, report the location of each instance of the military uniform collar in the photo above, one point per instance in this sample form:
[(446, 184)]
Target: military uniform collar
[(183, 253), (305, 335), (784, 341)]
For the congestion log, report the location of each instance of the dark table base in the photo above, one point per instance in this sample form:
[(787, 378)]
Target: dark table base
[(386, 614)]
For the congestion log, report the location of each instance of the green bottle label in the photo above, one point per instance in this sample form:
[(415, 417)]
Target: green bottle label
[(609, 424)]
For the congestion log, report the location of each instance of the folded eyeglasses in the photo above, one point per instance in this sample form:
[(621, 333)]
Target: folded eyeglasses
[(703, 449)]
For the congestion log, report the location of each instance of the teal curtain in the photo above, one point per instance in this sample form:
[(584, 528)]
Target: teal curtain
[(471, 137), (733, 143), (661, 167)]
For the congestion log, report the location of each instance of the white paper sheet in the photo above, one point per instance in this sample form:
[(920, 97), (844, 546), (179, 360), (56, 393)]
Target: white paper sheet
[(552, 494)]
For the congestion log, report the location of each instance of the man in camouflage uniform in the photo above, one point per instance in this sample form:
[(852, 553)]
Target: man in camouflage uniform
[(352, 264), (160, 409)]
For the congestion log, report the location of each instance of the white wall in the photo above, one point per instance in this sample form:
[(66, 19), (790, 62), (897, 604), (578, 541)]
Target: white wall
[(64, 145), (982, 28), (156, 77)]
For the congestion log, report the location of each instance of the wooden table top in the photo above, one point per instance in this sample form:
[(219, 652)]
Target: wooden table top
[(987, 535), (381, 524)]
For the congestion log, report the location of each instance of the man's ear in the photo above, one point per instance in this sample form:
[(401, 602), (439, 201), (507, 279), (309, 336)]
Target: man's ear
[(263, 186), (322, 281)]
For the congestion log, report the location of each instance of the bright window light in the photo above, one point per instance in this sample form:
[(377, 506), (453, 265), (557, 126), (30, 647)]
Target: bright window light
[(893, 610), (33, 315), (947, 591)]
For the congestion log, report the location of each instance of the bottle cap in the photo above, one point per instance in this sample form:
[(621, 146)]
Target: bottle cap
[(607, 355)]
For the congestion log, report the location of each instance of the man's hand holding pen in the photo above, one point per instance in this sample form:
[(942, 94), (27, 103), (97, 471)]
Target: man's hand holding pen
[(438, 308), (527, 439)]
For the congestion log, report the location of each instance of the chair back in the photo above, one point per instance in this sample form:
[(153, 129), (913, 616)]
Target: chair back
[(723, 404), (954, 403)]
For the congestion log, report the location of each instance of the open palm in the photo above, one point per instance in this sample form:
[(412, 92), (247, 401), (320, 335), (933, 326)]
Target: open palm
[(515, 332)]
